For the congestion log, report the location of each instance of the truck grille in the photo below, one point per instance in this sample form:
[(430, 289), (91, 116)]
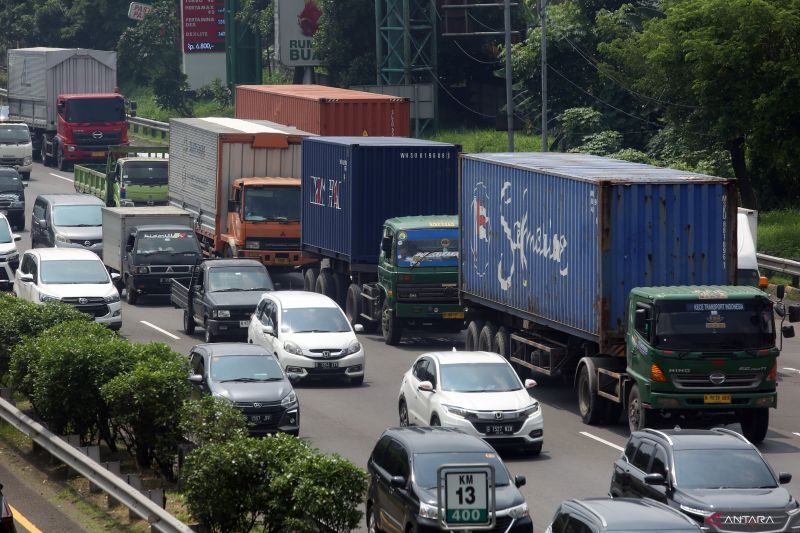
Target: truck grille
[(5, 202), (10, 161), (278, 243), (91, 306), (703, 381), (170, 269), (430, 292), (88, 139)]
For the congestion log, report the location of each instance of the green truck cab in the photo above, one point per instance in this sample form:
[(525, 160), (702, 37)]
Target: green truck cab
[(133, 176)]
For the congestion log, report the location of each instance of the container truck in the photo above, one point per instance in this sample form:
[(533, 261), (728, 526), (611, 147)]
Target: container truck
[(133, 176), (375, 217), (68, 98), (326, 110), (240, 179), (149, 247), (619, 277)]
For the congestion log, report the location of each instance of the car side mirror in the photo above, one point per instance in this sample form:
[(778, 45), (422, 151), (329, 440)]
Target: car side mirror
[(196, 379), (794, 313), (787, 332), (780, 292), (425, 386), (519, 480), (398, 482), (269, 330), (17, 237), (115, 277), (292, 377), (530, 383), (358, 328), (26, 278), (386, 245), (784, 478), (654, 479)]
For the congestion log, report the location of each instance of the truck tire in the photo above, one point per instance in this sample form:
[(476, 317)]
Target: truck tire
[(638, 417), (310, 279), (326, 284), (590, 406), (391, 327), (342, 283), (755, 423), (209, 337), (486, 337), (352, 307), (188, 323), (502, 342), (46, 159), (131, 296), (61, 162), (473, 332)]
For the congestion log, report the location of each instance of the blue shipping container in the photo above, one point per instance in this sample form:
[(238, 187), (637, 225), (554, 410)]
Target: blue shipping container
[(351, 185), (561, 239)]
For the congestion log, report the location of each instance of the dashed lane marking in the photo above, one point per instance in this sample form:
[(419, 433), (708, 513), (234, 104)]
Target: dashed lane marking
[(165, 332), (796, 433), (62, 177), (790, 369), (24, 522), (604, 441)]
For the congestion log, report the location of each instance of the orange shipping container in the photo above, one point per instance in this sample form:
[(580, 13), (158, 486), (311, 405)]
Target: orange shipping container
[(325, 110)]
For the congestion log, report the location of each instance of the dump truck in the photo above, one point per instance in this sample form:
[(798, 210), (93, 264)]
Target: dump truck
[(621, 279), (133, 176)]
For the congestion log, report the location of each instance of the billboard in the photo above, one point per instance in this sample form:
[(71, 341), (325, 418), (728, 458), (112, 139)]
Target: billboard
[(296, 22), (137, 10), (203, 25)]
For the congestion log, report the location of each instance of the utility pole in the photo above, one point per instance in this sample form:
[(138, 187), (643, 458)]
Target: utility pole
[(509, 76), (543, 18)]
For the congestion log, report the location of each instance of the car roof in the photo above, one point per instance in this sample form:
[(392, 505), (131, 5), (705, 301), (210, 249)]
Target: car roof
[(231, 348), (71, 199), (295, 299), (162, 227), (437, 439), (699, 439), (55, 254), (458, 357), (634, 514)]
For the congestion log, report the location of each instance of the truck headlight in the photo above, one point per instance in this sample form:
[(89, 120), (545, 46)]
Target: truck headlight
[(141, 270), (354, 347), (71, 148), (114, 298), (223, 313), (44, 298), (26, 161), (292, 348), (61, 238), (289, 400)]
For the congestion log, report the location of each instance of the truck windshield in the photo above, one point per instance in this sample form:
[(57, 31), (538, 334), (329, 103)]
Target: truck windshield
[(427, 247), (95, 110), (14, 134), (169, 244), (152, 173), (715, 324), (238, 279), (281, 204), (73, 272), (77, 215)]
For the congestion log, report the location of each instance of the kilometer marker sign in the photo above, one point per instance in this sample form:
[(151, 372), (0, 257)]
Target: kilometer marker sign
[(466, 496)]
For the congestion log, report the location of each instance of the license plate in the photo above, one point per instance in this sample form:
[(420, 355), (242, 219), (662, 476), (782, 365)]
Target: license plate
[(499, 430), (260, 418), (98, 154), (281, 261), (716, 398), (459, 314), (165, 280), (327, 364), (244, 324)]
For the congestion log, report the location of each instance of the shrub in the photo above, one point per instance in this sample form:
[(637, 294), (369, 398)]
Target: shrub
[(601, 143), (144, 405), (212, 420)]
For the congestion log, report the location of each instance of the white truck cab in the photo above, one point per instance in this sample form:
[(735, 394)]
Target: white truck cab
[(747, 272)]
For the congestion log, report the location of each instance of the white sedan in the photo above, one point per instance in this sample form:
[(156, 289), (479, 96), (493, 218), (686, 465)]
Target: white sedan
[(476, 392)]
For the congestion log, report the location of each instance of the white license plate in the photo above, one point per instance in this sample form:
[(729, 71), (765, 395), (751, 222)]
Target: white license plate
[(327, 364), (500, 430), (98, 154), (244, 324)]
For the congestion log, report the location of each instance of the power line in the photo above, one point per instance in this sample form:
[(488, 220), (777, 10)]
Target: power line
[(475, 58), (459, 102)]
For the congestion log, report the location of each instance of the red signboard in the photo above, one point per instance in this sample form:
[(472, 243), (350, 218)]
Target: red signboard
[(203, 25)]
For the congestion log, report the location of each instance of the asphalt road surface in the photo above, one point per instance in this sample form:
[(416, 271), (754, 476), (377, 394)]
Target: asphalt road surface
[(576, 460)]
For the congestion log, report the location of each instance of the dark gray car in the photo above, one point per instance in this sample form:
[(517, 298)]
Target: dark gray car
[(67, 221), (623, 515), (250, 378), (12, 197)]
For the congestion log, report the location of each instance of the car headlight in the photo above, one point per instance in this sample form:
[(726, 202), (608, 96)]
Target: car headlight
[(520, 511), (289, 400), (11, 256), (792, 512), (697, 512), (428, 511), (61, 238), (292, 348), (354, 347), (456, 411), (141, 270), (114, 298), (531, 410), (47, 298), (223, 313), (26, 161)]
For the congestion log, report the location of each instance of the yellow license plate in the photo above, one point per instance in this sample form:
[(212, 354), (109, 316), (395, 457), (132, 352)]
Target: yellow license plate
[(281, 261), (716, 398), (459, 314), (98, 154)]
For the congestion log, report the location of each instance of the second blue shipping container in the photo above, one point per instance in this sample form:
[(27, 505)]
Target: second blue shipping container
[(351, 185), (561, 239)]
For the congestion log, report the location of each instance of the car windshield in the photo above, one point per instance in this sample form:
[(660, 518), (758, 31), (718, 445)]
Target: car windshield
[(73, 272), (427, 247), (715, 324), (10, 182), (238, 279), (281, 204), (14, 134), (77, 215), (722, 469), (152, 173), (245, 368), (5, 231), (314, 320), (426, 465), (95, 110), (479, 377), (166, 243)]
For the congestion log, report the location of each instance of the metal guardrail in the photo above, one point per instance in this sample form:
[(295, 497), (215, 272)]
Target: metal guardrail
[(110, 483), (147, 123), (778, 264)]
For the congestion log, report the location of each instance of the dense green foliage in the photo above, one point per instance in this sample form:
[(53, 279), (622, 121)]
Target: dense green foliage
[(779, 233), (345, 41), (211, 420)]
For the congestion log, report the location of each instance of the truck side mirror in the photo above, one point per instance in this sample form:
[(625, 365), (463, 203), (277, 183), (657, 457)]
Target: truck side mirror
[(386, 245), (794, 313), (60, 108), (233, 206), (780, 292), (787, 332)]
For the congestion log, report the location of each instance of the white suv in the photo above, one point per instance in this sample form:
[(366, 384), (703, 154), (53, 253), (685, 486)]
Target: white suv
[(72, 275), (9, 257), (309, 334)]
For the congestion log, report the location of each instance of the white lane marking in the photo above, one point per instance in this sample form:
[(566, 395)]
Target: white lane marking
[(790, 369), (62, 177), (165, 332), (604, 441), (796, 433)]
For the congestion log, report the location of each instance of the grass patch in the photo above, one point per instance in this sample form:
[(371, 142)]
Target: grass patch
[(146, 106), (779, 233), (476, 140)]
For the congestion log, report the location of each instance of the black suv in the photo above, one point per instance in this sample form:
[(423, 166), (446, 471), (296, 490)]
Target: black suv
[(601, 515), (402, 480), (717, 477)]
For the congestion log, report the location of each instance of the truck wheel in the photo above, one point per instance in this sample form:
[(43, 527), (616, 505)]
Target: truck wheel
[(502, 342), (188, 323), (130, 293), (755, 423), (391, 327), (473, 332), (46, 159), (342, 284), (209, 336), (590, 405), (352, 306), (62, 163), (310, 279), (486, 337), (326, 284), (638, 417)]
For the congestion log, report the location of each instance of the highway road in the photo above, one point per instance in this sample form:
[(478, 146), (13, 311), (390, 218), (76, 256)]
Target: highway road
[(576, 460)]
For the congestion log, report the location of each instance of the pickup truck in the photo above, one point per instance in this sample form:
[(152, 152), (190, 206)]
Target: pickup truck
[(220, 296)]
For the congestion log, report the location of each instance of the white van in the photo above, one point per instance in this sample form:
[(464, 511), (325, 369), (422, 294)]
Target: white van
[(16, 148), (746, 229)]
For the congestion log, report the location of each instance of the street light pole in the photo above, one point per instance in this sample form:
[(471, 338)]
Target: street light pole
[(509, 91), (543, 18)]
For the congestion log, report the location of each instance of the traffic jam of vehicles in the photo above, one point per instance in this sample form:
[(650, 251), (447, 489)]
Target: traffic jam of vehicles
[(633, 285)]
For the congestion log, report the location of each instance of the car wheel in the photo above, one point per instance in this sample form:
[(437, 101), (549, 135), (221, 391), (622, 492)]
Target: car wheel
[(357, 382), (209, 336), (435, 422), (403, 412), (130, 293), (473, 332), (391, 327), (372, 519), (755, 423), (590, 405), (188, 322), (638, 417), (310, 279)]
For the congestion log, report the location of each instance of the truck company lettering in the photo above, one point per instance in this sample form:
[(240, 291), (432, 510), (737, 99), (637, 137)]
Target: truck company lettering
[(326, 194), (716, 307)]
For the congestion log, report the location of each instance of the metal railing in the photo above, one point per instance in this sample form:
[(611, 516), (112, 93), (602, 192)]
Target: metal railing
[(113, 485), (152, 128), (778, 264)]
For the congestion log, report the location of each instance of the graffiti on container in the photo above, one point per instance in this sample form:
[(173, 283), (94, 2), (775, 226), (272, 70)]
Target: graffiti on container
[(325, 194)]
